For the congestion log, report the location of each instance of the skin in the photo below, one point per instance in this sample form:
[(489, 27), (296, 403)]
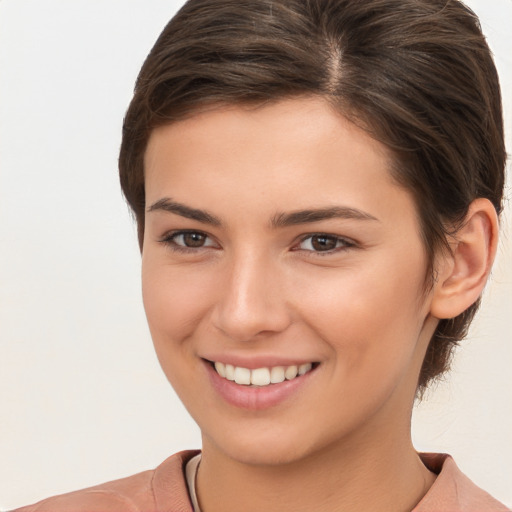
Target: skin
[(260, 289)]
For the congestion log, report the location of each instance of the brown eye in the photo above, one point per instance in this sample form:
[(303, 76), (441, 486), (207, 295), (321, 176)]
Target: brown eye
[(193, 239), (324, 243), (189, 240)]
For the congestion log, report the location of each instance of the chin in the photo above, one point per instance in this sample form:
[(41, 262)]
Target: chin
[(271, 453), (267, 445)]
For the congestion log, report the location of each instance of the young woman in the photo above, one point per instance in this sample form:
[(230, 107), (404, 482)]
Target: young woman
[(317, 187)]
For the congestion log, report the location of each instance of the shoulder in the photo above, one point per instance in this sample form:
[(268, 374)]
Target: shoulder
[(453, 491), (161, 489)]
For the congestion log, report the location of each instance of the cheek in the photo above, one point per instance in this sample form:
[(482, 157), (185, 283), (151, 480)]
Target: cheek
[(174, 300), (371, 318)]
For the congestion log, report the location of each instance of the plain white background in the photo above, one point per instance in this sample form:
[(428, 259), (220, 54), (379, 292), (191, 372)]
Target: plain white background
[(82, 397)]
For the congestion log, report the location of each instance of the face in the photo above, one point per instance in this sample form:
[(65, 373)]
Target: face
[(279, 252)]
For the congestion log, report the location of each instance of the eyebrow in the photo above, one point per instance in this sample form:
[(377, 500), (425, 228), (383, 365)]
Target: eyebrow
[(278, 221), (319, 214), (168, 205)]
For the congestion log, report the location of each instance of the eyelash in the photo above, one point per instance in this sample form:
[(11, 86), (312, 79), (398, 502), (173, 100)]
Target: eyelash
[(345, 244), (169, 239)]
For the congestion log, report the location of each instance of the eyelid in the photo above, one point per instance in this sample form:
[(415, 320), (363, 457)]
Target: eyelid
[(169, 240), (347, 243)]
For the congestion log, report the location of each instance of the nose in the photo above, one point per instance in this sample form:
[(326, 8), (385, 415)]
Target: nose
[(252, 300)]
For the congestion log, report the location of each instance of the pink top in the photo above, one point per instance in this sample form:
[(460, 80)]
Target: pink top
[(165, 490)]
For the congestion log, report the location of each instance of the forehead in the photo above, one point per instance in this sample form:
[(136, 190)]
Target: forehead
[(291, 153), (290, 129)]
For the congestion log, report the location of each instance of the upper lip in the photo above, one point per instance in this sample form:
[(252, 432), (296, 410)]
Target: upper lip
[(258, 361)]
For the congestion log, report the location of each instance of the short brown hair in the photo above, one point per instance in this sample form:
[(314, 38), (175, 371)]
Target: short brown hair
[(416, 74)]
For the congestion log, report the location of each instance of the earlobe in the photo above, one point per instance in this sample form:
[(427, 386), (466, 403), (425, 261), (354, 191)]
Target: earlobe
[(461, 275)]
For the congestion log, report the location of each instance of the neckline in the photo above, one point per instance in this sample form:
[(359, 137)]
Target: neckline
[(191, 469)]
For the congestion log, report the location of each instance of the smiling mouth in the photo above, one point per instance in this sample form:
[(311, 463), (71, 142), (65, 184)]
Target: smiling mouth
[(261, 377)]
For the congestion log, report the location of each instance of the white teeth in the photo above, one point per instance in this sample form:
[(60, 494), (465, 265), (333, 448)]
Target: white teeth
[(261, 376), (221, 369), (304, 368), (230, 372), (290, 372), (277, 374), (242, 375)]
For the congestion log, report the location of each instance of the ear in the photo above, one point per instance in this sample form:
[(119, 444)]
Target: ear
[(461, 275)]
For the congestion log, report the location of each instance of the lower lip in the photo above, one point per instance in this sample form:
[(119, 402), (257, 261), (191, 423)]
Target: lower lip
[(254, 397)]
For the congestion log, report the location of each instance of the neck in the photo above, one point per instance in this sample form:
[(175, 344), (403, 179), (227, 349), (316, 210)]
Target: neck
[(389, 477)]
